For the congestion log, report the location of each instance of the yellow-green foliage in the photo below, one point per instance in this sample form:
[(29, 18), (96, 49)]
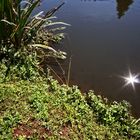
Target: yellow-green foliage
[(45, 109)]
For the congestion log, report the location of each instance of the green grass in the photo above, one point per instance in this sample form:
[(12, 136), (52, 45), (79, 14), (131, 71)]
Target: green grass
[(44, 109)]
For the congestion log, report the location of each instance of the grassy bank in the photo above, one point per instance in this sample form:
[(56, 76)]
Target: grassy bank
[(43, 109), (34, 106)]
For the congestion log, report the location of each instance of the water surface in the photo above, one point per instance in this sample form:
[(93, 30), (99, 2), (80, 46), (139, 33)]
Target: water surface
[(104, 42)]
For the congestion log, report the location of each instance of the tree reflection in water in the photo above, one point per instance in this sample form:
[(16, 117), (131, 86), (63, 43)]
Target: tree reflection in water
[(123, 6)]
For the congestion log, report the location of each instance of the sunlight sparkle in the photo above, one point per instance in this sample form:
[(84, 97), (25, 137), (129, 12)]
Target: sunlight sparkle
[(131, 79)]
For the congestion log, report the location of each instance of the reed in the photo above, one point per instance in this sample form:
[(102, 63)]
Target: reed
[(23, 36)]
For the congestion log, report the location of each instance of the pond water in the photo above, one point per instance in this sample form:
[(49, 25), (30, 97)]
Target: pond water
[(104, 43)]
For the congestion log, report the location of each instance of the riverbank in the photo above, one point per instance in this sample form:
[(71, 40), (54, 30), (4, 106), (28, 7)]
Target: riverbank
[(35, 106), (43, 109)]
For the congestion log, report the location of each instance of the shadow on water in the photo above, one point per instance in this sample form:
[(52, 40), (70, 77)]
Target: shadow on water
[(123, 7)]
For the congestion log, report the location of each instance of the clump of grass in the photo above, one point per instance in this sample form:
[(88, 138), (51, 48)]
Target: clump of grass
[(24, 40)]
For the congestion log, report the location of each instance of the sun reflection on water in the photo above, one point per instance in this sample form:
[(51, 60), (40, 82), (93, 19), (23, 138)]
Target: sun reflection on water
[(131, 79)]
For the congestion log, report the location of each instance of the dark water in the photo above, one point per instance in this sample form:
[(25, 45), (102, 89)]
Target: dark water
[(104, 41)]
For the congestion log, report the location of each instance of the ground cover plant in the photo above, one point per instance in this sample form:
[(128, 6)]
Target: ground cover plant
[(44, 109)]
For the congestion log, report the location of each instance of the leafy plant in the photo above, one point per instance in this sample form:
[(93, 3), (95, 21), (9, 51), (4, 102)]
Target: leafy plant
[(115, 115), (44, 109), (23, 38)]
